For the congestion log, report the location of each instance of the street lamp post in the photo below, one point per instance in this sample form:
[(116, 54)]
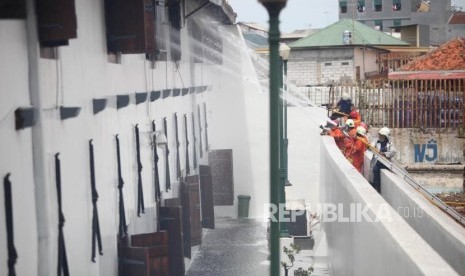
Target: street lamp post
[(284, 52), (274, 8)]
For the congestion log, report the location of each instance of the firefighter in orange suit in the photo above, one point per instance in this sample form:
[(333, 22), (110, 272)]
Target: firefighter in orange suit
[(354, 115), (351, 128), (349, 139), (337, 134), (359, 148)]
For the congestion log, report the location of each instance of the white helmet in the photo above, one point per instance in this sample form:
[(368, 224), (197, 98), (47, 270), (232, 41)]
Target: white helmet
[(350, 123), (345, 96), (384, 131), (361, 130)]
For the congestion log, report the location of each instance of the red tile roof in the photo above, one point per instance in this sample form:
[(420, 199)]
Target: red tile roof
[(449, 56)]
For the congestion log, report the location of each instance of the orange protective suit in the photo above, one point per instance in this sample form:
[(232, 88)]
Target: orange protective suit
[(352, 132), (349, 143), (358, 152), (338, 137)]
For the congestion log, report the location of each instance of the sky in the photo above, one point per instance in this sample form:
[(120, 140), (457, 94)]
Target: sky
[(298, 14)]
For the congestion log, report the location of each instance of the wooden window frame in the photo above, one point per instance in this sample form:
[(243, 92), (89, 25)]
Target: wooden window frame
[(56, 22), (130, 26), (12, 9)]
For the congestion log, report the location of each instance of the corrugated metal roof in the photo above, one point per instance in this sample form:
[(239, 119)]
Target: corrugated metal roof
[(457, 18), (254, 26), (299, 33), (256, 39), (361, 35)]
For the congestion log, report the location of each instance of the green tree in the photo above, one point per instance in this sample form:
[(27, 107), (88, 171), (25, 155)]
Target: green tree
[(290, 253)]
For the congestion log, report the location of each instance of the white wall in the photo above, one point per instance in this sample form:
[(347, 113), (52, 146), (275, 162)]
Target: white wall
[(318, 67), (446, 140), (81, 74), (239, 113), (366, 59), (304, 153), (386, 246), (16, 149), (439, 230)]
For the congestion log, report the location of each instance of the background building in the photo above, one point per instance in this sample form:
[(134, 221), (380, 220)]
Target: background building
[(385, 14), (456, 25), (346, 51)]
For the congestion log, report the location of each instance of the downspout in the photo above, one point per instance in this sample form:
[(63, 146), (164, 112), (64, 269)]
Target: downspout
[(44, 200)]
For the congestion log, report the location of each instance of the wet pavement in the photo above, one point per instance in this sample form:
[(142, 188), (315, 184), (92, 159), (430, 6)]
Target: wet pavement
[(234, 247)]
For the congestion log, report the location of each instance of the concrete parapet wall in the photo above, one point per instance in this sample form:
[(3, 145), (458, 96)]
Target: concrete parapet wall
[(386, 245), (444, 234), (430, 146)]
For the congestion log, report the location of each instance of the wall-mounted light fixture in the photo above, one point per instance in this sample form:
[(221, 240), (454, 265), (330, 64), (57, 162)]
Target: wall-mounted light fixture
[(24, 117), (284, 51)]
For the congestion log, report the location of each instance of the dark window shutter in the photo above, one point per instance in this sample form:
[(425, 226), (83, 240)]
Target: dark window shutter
[(161, 30), (174, 14), (56, 22), (130, 26), (343, 6), (12, 9), (361, 6)]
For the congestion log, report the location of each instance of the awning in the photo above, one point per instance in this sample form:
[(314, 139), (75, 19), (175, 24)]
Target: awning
[(218, 11)]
